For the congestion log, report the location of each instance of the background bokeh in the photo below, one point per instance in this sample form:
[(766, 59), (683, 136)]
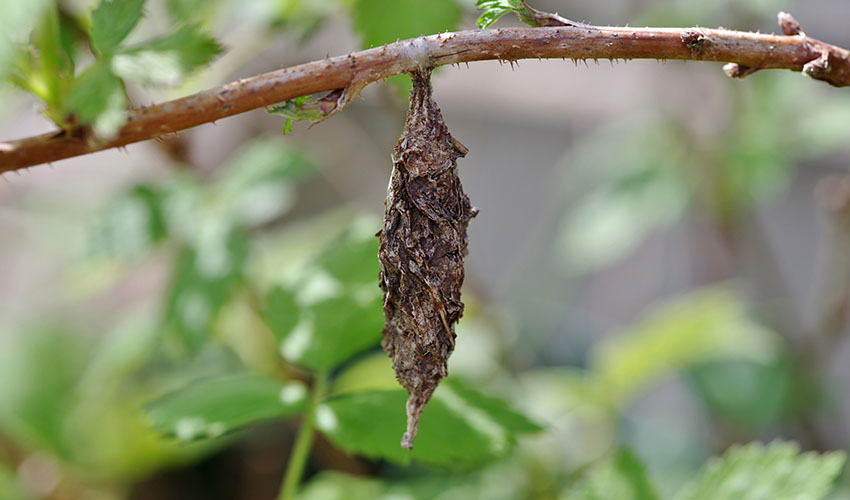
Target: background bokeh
[(659, 268)]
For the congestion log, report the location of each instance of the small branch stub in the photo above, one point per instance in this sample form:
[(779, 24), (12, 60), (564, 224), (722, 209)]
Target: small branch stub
[(422, 245), (829, 64)]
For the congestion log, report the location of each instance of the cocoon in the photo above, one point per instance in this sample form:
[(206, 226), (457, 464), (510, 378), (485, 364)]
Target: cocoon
[(422, 246)]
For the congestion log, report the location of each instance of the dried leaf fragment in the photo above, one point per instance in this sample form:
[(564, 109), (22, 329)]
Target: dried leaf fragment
[(422, 245)]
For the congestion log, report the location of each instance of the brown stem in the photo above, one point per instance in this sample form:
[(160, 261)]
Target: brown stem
[(746, 52)]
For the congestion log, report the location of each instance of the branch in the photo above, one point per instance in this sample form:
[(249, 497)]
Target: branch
[(347, 75)]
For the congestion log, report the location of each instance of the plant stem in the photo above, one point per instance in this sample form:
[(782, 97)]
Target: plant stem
[(304, 441), (349, 73)]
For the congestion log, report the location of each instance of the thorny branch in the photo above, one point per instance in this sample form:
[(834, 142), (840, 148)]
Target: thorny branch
[(347, 75)]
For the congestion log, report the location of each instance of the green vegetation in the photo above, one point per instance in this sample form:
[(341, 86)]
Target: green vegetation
[(267, 323)]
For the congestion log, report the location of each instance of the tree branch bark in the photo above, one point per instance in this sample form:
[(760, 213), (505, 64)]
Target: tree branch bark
[(746, 53)]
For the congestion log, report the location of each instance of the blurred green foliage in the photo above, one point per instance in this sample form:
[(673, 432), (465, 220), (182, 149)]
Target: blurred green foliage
[(777, 470), (96, 97), (694, 329), (461, 426), (209, 408), (661, 167), (492, 10), (620, 476), (385, 21), (259, 305), (332, 311)]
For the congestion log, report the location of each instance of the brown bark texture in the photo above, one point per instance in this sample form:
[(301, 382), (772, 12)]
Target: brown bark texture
[(422, 246)]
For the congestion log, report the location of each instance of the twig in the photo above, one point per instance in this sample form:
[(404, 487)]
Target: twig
[(349, 74)]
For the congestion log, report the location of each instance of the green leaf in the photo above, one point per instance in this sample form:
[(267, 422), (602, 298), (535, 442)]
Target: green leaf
[(334, 309), (498, 408), (17, 20), (70, 37), (206, 277), (373, 372), (352, 259), (112, 21), (39, 373), (212, 407), (458, 426), (45, 66), (747, 393), (69, 397), (304, 108), (167, 60), (326, 333), (384, 21), (107, 429), (699, 327), (97, 99), (55, 70), (130, 225), (266, 159), (777, 471), (258, 184), (622, 476), (494, 9), (351, 323)]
